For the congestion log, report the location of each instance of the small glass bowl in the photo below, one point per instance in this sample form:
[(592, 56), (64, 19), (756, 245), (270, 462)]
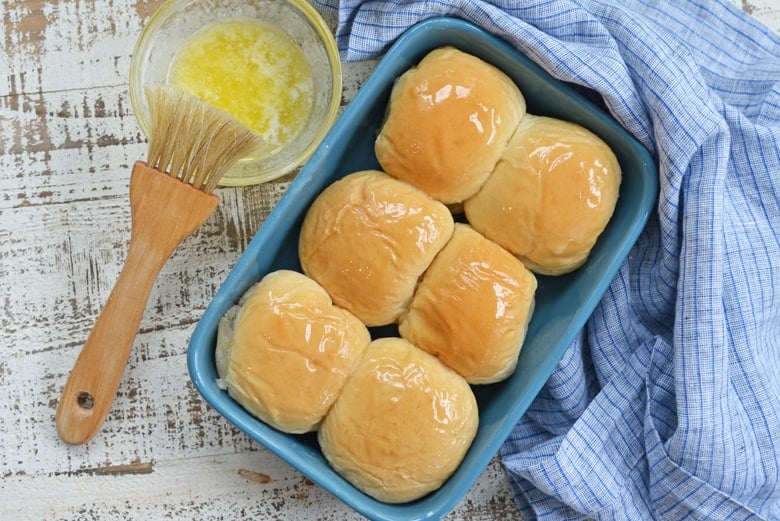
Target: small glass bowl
[(176, 20)]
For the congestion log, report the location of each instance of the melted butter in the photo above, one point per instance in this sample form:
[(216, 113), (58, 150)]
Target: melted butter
[(251, 70)]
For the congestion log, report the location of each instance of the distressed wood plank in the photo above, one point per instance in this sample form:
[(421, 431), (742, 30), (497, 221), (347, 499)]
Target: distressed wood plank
[(251, 485), (68, 44)]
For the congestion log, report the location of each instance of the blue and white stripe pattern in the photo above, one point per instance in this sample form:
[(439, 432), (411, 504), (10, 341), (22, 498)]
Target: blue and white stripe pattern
[(667, 406)]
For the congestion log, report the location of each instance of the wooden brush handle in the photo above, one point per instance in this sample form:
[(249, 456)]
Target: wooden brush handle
[(164, 212)]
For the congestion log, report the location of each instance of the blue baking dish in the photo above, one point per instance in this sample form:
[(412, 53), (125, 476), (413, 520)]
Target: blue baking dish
[(563, 303)]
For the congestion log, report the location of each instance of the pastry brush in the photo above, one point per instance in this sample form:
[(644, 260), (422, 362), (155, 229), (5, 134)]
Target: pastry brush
[(191, 145)]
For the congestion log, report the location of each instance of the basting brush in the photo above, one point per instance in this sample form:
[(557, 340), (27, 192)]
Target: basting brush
[(191, 146)]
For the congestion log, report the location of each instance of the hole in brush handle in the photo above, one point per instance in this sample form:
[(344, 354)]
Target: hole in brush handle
[(85, 400)]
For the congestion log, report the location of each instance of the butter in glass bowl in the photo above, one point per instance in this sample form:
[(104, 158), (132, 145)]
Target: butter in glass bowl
[(271, 64)]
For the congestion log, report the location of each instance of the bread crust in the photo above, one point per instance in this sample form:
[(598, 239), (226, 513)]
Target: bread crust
[(449, 119), (402, 424), (285, 351), (472, 308), (368, 238), (551, 195)]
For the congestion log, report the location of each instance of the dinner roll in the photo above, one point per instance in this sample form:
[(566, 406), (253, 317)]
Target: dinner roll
[(550, 196), (285, 351), (368, 238), (472, 308), (402, 424), (448, 122)]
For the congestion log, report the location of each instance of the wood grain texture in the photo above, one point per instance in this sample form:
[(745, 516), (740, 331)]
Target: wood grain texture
[(164, 212), (68, 140)]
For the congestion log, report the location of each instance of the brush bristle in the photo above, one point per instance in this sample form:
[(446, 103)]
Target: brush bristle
[(192, 141)]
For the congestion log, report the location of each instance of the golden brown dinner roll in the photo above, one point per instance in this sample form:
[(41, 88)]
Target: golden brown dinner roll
[(472, 308), (285, 351), (448, 122), (367, 239), (550, 196), (402, 424)]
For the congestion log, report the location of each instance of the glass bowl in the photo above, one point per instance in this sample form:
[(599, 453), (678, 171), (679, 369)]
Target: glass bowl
[(175, 21)]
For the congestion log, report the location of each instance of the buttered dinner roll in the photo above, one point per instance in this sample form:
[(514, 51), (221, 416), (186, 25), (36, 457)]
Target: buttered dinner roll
[(472, 308), (368, 238), (448, 122), (285, 351), (550, 196), (402, 424)]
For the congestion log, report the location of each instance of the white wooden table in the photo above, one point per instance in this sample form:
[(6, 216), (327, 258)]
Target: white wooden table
[(67, 141)]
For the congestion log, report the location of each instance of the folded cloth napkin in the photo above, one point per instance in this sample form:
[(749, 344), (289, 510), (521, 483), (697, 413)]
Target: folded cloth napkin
[(667, 406)]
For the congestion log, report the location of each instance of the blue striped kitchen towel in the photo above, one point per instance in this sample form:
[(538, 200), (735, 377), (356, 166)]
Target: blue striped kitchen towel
[(667, 406)]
